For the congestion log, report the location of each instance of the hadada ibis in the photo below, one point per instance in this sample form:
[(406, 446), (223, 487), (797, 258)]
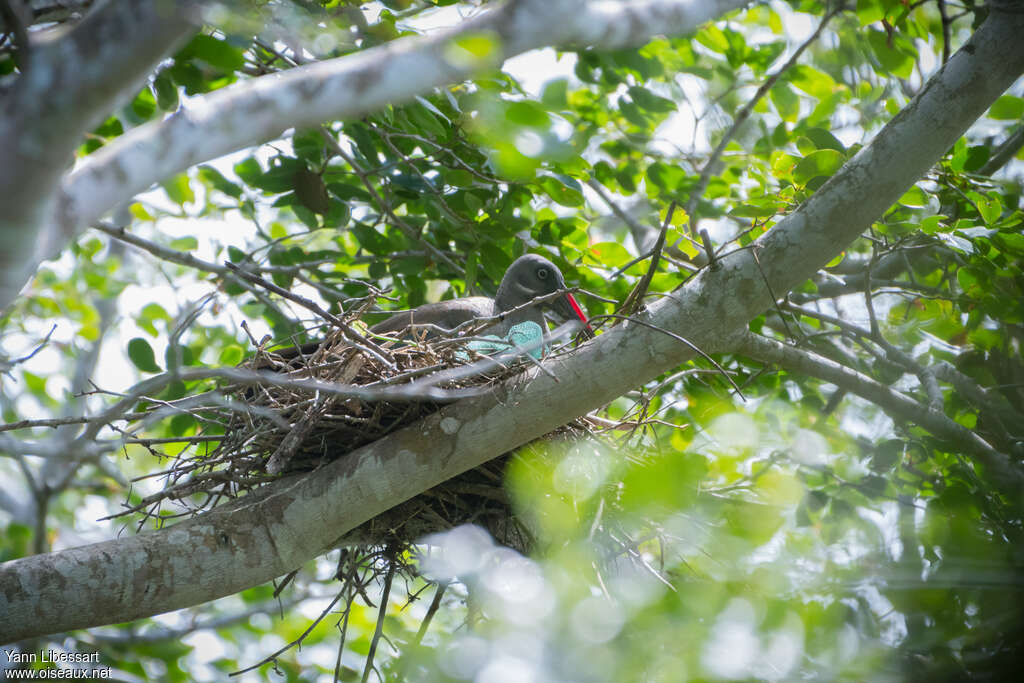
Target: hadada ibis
[(528, 277)]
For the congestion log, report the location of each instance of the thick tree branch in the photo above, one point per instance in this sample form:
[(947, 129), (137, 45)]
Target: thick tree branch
[(286, 523), (70, 85), (51, 11)]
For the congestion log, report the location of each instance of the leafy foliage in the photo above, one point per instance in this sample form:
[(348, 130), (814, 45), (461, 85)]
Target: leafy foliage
[(802, 532)]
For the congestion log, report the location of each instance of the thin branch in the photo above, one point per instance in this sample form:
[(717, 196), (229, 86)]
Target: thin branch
[(679, 337), (435, 604), (385, 205), (163, 634), (1004, 474), (983, 398), (1006, 151), (381, 614), (635, 298), (351, 335), (741, 116), (947, 30), (297, 641), (7, 365), (182, 258), (16, 20)]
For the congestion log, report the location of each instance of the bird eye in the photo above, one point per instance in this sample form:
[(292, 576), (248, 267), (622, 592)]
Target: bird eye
[(542, 273)]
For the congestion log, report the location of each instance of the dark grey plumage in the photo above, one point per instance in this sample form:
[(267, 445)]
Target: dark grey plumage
[(528, 277)]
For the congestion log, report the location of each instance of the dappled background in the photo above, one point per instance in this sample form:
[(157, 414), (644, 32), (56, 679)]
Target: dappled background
[(732, 519)]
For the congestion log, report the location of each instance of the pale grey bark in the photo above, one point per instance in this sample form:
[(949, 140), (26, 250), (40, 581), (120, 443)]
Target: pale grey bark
[(69, 84), (49, 11), (289, 522)]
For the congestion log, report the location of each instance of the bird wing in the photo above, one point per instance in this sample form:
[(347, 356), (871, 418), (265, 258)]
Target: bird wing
[(445, 314)]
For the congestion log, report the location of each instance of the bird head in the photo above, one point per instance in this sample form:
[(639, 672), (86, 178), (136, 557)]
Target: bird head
[(531, 276)]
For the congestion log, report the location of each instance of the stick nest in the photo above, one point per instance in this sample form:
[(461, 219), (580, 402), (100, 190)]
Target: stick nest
[(287, 427)]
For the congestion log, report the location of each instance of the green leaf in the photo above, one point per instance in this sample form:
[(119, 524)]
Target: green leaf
[(166, 91), (609, 254), (527, 113), (179, 189), (248, 170), (236, 255), (894, 52), (337, 215), (212, 177), (914, 197), (215, 52), (713, 38), (645, 99), (280, 177), (149, 315), (554, 94), (665, 177), (478, 47), (562, 189), (931, 224), (432, 109), (309, 145), (632, 113), (182, 424), (178, 355), (494, 261), (231, 355), (977, 155), (869, 12), (812, 81), (144, 104), (823, 139), (141, 354), (887, 455), (970, 282), (188, 243), (1007, 108), (786, 102), (35, 383), (370, 239), (824, 162), (990, 208), (310, 190), (760, 208), (1010, 241), (422, 118)]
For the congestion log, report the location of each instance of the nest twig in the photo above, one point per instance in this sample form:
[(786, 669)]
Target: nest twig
[(284, 428), (270, 429)]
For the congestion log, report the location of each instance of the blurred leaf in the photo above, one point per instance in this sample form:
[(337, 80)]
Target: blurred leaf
[(179, 190), (894, 52), (141, 354), (1008, 108), (311, 191), (214, 52), (824, 162), (562, 189), (216, 180)]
